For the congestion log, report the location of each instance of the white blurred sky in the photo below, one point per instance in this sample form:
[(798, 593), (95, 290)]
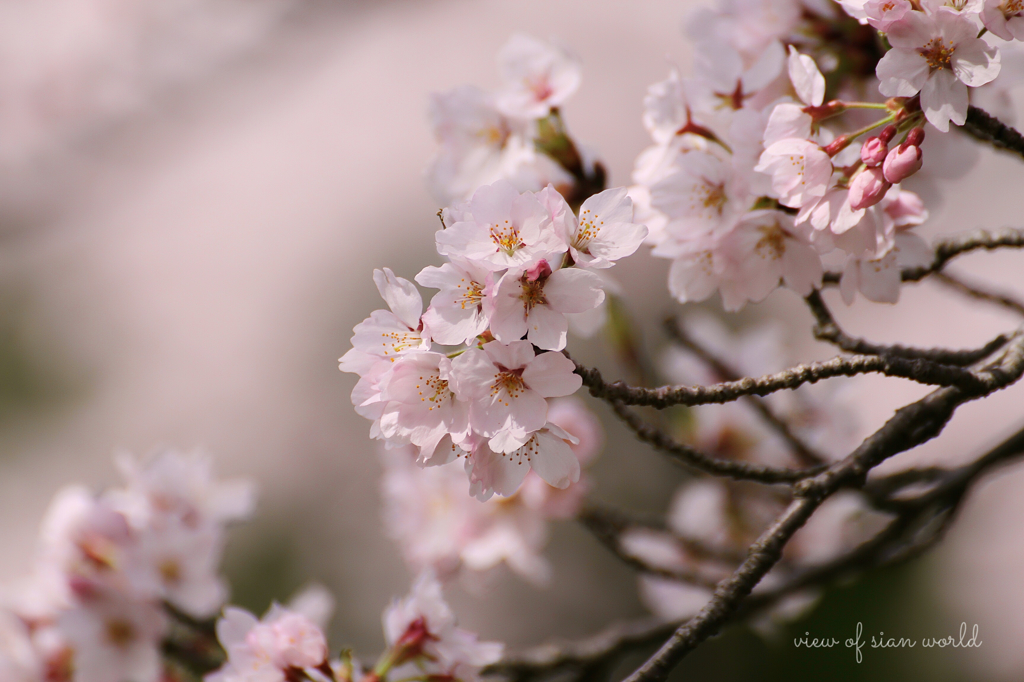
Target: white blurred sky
[(205, 252)]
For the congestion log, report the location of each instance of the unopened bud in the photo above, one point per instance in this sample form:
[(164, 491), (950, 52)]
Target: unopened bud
[(837, 145), (873, 151), (888, 132), (539, 271), (915, 137), (902, 162), (867, 188)]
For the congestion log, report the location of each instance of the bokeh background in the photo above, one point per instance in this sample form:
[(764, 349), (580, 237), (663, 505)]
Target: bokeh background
[(193, 195)]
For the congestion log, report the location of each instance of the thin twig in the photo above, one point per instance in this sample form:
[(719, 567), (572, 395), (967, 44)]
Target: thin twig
[(957, 283), (949, 247), (827, 329), (802, 450), (740, 471), (610, 533)]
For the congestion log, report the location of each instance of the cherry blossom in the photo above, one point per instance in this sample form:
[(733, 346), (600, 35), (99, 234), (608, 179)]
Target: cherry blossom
[(605, 231), (800, 171), (264, 650), (547, 451), (420, 407), (537, 75), (1005, 18), (763, 249), (939, 54), (501, 228), (114, 637), (506, 385), (388, 333), (421, 628), (534, 303), (457, 312)]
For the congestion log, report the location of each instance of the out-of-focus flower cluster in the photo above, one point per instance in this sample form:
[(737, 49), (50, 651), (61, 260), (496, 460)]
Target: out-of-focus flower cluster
[(438, 526), (95, 606), (126, 586), (513, 134)]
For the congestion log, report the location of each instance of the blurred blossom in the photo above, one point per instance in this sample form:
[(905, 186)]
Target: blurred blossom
[(67, 68)]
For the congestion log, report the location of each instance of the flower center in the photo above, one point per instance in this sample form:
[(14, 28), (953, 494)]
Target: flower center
[(170, 572), (398, 341), (473, 294), (506, 238), (533, 293), (709, 197), (509, 381), (439, 387), (1012, 7), (120, 633), (772, 243), (590, 227), (495, 135), (937, 53)]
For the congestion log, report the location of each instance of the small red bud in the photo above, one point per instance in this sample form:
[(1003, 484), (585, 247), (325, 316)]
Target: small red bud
[(888, 132)]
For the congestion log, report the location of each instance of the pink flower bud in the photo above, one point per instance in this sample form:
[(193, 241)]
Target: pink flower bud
[(868, 188), (902, 162), (539, 271), (873, 151)]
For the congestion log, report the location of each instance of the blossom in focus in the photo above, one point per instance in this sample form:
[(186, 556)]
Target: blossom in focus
[(456, 313), (507, 385), (501, 228), (534, 303), (939, 54)]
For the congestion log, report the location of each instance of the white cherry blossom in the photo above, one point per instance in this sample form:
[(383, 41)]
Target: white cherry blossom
[(535, 304), (262, 650), (704, 193), (501, 228), (114, 637), (420, 407), (538, 75), (388, 333), (548, 452), (800, 171), (457, 312), (423, 630), (507, 386), (765, 248), (1005, 18), (604, 231), (939, 54)]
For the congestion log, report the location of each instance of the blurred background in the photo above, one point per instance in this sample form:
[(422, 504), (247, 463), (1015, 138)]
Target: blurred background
[(193, 196)]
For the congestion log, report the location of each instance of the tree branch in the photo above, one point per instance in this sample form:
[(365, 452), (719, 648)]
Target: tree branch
[(827, 329), (804, 452), (740, 471), (987, 128), (957, 283), (920, 370)]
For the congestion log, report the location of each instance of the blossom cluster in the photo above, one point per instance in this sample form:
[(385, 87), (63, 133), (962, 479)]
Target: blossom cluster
[(93, 609), (438, 527), (518, 264), (490, 136), (288, 643), (125, 583)]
